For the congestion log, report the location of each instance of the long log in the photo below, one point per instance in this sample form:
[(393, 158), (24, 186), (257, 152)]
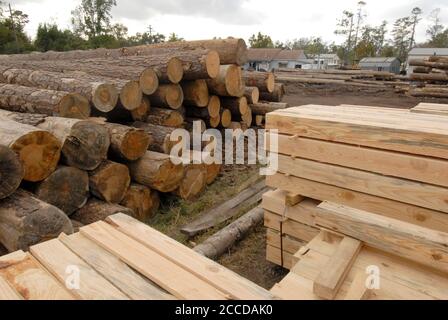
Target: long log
[(96, 210), (276, 96), (229, 82), (252, 94), (195, 93), (429, 76), (110, 181), (11, 171), (161, 137), (199, 64), (26, 221), (143, 201), (165, 117), (238, 106), (427, 92), (42, 101), (425, 63), (264, 81), (67, 189), (39, 151), (264, 108), (157, 171), (169, 95)]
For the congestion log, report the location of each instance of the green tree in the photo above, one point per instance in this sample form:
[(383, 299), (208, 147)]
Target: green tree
[(401, 33), (174, 38), (12, 36), (261, 41), (92, 18), (346, 27), (50, 37)]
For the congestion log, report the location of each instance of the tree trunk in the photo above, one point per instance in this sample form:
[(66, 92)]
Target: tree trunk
[(429, 77), (26, 221), (252, 95), (131, 94), (142, 112), (102, 94), (226, 118), (42, 101), (67, 189), (39, 151), (143, 201), (229, 82), (96, 210), (264, 108), (238, 106), (276, 96), (193, 183), (165, 117), (433, 65), (422, 70), (195, 93), (169, 95), (11, 171), (161, 137), (110, 181), (264, 81), (157, 171), (199, 64)]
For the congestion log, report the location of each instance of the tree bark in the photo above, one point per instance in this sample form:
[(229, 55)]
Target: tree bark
[(110, 181), (169, 95), (238, 106), (67, 189), (143, 201), (229, 82), (11, 171), (252, 94), (264, 81), (42, 101), (195, 93), (264, 108), (157, 171), (96, 210), (276, 96), (165, 117), (161, 137), (26, 221)]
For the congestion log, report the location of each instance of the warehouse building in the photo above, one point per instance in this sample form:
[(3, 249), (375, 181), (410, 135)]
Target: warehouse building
[(270, 59), (392, 65)]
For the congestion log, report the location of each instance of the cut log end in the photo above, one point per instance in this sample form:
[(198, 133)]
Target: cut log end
[(131, 95), (226, 118), (75, 106), (234, 82), (142, 112), (175, 70), (213, 171), (110, 181), (213, 64), (214, 122), (11, 172), (149, 81), (194, 181), (196, 93), (135, 144), (214, 106), (175, 96), (270, 82), (143, 201), (105, 97)]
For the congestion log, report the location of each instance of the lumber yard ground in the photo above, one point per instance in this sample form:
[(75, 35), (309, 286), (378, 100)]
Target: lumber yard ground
[(233, 179)]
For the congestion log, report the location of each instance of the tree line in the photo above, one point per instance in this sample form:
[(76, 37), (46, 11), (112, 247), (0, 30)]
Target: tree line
[(364, 40)]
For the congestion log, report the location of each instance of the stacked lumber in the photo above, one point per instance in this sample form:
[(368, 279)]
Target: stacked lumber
[(120, 259), (431, 108), (431, 76), (375, 179)]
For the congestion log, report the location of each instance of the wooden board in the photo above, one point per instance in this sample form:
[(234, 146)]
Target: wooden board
[(285, 242), (292, 228), (7, 292), (431, 108), (274, 255)]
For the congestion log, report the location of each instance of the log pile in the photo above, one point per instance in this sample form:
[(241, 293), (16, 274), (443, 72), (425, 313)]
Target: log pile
[(348, 198), (431, 77)]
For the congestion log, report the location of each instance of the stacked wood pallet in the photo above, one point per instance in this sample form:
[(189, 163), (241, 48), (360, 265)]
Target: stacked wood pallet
[(431, 76), (120, 259), (377, 179)]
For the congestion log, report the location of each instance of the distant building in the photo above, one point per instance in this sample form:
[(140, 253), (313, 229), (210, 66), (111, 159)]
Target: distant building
[(392, 65), (327, 61), (269, 59), (424, 53)]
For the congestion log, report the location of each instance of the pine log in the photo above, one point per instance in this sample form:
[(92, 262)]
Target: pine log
[(429, 77), (238, 106), (276, 96), (199, 64), (422, 70), (264, 108), (165, 117), (142, 112), (39, 151), (11, 171), (110, 181), (193, 182), (214, 106), (226, 118), (26, 221), (428, 92), (247, 118), (67, 189), (195, 93), (131, 95), (96, 210), (168, 95), (264, 81), (213, 169), (252, 94), (425, 63), (438, 59), (42, 101), (229, 82), (157, 171), (161, 137), (102, 94), (143, 201)]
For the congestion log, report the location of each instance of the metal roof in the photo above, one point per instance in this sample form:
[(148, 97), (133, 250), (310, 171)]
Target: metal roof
[(378, 60), (274, 54), (429, 52)]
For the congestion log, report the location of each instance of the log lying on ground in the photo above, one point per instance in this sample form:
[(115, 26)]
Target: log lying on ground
[(195, 93), (39, 151), (276, 96), (142, 112), (264, 81), (264, 108), (194, 180), (11, 171), (422, 70), (199, 64), (226, 118), (42, 101), (438, 59), (96, 210), (131, 94), (229, 82), (168, 95), (218, 244), (238, 106), (165, 117), (429, 92), (161, 137), (157, 171), (143, 201), (26, 221), (425, 63), (110, 181), (252, 94), (429, 76), (102, 94), (67, 189)]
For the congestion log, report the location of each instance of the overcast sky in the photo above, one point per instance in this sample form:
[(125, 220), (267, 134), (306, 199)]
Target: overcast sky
[(200, 19)]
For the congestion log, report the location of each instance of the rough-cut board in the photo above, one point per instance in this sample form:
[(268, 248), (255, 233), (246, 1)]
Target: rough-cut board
[(431, 108), (295, 229), (168, 275), (6, 292), (207, 270), (283, 259), (58, 259), (287, 243), (359, 289)]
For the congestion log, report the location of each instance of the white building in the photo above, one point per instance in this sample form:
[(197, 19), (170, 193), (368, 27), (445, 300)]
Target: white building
[(424, 53), (269, 59), (327, 61)]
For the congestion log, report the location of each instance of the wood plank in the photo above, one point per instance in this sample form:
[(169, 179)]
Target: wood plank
[(7, 292), (407, 191), (57, 258), (216, 275), (30, 279), (166, 274), (293, 199), (397, 210), (333, 275), (358, 289), (431, 108), (412, 242), (292, 228), (112, 269), (289, 245), (274, 255)]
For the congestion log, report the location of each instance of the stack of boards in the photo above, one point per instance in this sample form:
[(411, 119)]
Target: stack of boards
[(120, 259), (359, 188)]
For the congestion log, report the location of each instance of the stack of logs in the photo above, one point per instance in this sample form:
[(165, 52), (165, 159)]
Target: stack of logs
[(431, 76), (86, 134)]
